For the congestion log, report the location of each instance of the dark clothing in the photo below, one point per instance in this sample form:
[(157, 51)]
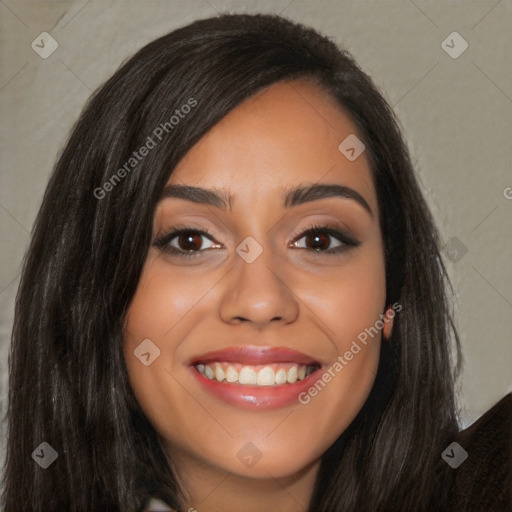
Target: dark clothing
[(483, 482)]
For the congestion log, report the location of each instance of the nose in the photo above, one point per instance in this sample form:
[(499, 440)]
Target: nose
[(257, 293)]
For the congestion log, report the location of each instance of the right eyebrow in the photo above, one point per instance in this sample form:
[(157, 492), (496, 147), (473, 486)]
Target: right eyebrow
[(217, 198)]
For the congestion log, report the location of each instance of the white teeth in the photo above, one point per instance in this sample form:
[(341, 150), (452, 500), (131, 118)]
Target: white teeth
[(219, 373), (247, 376), (292, 375), (231, 374), (266, 377), (252, 376), (208, 371), (280, 376)]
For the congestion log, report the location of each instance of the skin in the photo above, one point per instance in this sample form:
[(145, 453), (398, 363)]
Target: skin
[(290, 296)]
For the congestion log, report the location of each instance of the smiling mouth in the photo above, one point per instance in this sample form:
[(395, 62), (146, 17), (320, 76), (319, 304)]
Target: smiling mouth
[(275, 374)]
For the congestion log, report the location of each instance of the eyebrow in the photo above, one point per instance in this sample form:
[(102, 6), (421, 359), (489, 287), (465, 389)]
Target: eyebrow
[(291, 196)]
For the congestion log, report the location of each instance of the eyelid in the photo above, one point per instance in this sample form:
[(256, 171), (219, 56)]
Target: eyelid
[(331, 228)]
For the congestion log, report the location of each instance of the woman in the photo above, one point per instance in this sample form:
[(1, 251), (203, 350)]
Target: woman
[(234, 297)]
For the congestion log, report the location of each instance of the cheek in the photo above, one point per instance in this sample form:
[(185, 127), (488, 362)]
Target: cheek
[(157, 305), (154, 314), (347, 302), (164, 306), (351, 310), (351, 297)]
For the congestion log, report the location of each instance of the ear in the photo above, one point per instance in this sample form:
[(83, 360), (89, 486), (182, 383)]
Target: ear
[(389, 319)]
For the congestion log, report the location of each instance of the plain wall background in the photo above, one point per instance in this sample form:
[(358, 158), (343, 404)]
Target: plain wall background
[(456, 116)]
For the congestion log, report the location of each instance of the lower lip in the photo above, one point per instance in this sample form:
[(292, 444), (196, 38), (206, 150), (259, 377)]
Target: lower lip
[(257, 397)]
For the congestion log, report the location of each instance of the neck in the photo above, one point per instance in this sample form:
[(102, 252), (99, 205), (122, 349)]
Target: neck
[(210, 489)]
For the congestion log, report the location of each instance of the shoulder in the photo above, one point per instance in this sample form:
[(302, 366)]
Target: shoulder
[(157, 505), (483, 481)]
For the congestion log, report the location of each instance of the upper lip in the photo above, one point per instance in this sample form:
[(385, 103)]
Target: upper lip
[(252, 355)]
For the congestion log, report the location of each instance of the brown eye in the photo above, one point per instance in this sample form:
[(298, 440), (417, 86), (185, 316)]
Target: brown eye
[(189, 242), (185, 242), (325, 240), (318, 240)]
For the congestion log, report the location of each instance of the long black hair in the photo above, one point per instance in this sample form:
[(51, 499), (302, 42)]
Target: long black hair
[(68, 381)]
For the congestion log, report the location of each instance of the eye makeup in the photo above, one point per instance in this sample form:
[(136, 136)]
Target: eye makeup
[(315, 233)]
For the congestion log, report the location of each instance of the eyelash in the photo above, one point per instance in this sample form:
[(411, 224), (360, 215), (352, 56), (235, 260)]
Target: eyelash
[(347, 241)]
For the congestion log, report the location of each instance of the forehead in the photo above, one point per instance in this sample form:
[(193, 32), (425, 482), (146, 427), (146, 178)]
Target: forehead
[(285, 135)]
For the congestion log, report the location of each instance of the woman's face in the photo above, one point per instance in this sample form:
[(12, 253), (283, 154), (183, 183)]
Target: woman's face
[(263, 305)]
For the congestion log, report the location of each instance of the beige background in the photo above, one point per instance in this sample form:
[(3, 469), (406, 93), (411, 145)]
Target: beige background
[(456, 114)]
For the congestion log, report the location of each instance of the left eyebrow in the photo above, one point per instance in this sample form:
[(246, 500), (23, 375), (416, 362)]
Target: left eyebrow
[(291, 196), (301, 195)]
